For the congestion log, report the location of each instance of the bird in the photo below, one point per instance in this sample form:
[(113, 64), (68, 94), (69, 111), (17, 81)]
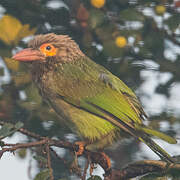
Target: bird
[(95, 104)]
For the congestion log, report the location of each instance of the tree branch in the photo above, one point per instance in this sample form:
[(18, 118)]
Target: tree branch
[(49, 162), (20, 146), (132, 170), (143, 167)]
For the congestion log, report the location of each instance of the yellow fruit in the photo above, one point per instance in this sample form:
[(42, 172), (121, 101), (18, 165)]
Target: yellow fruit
[(98, 3), (160, 9), (121, 41)]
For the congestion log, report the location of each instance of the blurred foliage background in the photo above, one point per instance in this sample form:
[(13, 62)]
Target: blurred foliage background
[(137, 40)]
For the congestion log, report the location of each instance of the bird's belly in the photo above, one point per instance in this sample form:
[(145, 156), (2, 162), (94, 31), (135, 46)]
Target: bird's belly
[(88, 126)]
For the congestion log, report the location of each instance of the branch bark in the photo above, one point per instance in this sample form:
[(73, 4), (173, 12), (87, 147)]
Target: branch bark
[(130, 171)]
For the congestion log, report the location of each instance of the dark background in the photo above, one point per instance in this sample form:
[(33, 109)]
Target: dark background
[(149, 63)]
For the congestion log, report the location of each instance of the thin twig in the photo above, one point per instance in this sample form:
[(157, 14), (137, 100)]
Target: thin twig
[(60, 158), (85, 169), (22, 145), (30, 134), (25, 132), (49, 162), (130, 171)]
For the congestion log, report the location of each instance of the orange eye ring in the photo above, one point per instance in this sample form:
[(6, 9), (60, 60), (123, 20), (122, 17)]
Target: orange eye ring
[(48, 49)]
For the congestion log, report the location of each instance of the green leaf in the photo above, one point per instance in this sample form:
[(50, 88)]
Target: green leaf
[(131, 14), (173, 22), (22, 153), (96, 18), (1, 71), (94, 178), (111, 49), (40, 159), (18, 125), (105, 32), (43, 175), (8, 129), (154, 42)]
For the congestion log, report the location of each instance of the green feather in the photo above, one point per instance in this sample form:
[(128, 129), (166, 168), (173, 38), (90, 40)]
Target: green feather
[(158, 134), (98, 104)]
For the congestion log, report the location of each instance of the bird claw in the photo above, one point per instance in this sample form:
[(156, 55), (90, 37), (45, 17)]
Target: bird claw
[(74, 167), (108, 164), (81, 147)]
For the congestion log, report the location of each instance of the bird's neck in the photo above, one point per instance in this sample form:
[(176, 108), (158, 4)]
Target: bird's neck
[(37, 71), (40, 70)]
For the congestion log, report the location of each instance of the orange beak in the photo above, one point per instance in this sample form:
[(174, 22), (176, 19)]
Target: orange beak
[(29, 54)]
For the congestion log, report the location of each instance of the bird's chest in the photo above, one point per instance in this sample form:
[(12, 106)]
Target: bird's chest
[(72, 83), (40, 78), (50, 84)]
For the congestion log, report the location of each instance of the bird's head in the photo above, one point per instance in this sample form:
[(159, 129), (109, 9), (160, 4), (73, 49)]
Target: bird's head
[(57, 48)]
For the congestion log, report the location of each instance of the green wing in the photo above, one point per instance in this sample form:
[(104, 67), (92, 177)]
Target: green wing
[(91, 87), (123, 104)]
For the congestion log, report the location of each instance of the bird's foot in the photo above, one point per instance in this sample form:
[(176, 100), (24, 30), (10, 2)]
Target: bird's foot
[(74, 167), (104, 161), (81, 147)]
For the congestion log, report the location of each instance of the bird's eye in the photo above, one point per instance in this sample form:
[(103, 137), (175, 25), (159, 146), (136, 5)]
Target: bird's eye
[(48, 49)]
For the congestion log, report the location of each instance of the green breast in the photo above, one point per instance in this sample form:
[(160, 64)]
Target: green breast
[(88, 126), (74, 82)]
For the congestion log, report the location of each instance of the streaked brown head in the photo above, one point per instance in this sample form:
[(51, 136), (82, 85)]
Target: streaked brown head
[(58, 48)]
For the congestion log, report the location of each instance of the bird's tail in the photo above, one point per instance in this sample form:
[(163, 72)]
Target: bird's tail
[(155, 147)]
